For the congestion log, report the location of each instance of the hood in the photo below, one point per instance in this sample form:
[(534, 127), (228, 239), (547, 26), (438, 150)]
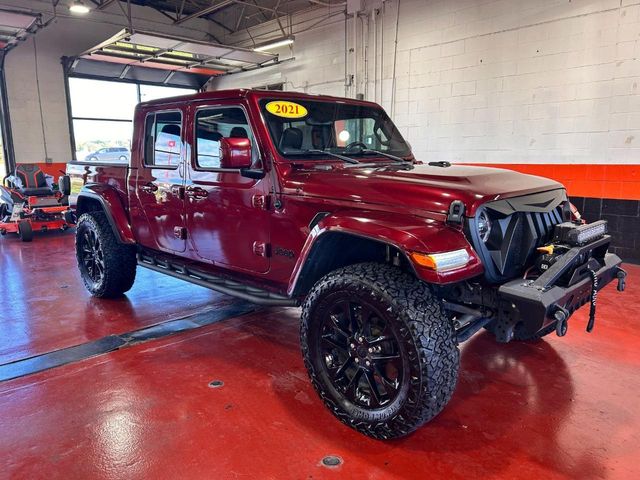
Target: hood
[(425, 187)]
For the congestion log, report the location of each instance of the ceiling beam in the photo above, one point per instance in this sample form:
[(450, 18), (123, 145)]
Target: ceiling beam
[(241, 17), (204, 11), (255, 5), (220, 24), (170, 17), (104, 4)]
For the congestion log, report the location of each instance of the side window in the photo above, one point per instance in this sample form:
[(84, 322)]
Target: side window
[(212, 124), (163, 142)]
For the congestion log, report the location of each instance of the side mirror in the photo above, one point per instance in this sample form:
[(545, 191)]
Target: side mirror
[(235, 153)]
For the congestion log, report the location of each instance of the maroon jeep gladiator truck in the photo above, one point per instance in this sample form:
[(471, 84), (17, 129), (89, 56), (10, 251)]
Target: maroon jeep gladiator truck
[(283, 198)]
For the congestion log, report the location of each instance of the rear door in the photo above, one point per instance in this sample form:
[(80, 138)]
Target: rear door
[(158, 183), (227, 216)]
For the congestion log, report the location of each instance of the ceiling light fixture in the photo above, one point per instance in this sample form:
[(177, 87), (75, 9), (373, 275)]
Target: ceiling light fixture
[(78, 7), (274, 44)]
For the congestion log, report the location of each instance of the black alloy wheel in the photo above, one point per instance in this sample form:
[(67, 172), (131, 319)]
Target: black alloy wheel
[(92, 256), (360, 353)]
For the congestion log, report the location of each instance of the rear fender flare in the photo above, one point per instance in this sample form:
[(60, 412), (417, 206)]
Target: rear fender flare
[(111, 204)]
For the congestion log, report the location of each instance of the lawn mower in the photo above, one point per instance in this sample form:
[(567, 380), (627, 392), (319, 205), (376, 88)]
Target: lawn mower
[(29, 203)]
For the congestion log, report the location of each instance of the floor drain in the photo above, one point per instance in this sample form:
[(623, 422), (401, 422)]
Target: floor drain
[(216, 383), (331, 461)]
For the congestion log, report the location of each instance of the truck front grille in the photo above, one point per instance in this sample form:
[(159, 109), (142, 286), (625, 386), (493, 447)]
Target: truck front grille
[(518, 227)]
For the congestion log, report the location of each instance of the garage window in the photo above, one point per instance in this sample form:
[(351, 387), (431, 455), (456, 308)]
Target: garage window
[(102, 116)]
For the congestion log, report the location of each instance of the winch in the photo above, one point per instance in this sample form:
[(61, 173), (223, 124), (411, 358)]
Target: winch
[(549, 255)]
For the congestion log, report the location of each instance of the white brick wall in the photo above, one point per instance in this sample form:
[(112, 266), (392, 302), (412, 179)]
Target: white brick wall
[(504, 81)]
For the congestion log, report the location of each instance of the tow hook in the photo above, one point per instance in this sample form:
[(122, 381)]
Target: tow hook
[(562, 321), (622, 279)]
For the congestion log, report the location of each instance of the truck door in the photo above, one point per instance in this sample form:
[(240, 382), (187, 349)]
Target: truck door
[(227, 217), (158, 183)]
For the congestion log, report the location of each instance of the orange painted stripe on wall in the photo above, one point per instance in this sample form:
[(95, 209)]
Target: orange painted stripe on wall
[(620, 182), (53, 169)]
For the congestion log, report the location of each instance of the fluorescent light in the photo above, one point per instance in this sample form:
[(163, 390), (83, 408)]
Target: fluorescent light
[(78, 7), (275, 44)]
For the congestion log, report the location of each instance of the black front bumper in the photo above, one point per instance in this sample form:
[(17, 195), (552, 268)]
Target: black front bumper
[(564, 288)]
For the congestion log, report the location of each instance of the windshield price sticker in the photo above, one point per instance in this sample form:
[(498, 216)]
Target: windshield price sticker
[(281, 108)]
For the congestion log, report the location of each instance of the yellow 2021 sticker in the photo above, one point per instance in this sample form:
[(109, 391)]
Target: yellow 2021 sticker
[(282, 108)]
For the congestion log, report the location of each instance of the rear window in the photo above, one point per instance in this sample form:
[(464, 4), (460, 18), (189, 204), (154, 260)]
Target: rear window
[(163, 139)]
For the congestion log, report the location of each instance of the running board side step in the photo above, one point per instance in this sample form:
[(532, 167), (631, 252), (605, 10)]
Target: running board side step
[(222, 285)]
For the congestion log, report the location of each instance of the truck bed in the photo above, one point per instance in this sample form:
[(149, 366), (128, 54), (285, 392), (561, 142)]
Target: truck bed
[(113, 174)]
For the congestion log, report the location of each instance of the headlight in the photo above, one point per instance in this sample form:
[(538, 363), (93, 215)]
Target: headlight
[(442, 261), (483, 226)]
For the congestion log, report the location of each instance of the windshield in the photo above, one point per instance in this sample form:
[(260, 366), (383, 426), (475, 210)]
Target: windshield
[(306, 126)]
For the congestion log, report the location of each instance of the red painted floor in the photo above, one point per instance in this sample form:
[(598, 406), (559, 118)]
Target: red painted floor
[(45, 306), (561, 408)]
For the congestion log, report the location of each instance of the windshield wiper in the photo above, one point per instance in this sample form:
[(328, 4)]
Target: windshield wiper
[(388, 155), (331, 154)]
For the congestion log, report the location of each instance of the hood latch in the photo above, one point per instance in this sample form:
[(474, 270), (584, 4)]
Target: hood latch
[(456, 212)]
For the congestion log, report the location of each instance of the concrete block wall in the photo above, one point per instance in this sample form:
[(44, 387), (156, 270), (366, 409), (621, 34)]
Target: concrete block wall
[(520, 82)]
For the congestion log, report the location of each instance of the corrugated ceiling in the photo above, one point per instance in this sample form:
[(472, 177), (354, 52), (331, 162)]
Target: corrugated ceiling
[(233, 15)]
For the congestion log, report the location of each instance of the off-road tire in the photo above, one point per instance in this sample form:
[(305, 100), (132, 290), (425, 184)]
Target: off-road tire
[(25, 231), (119, 260), (426, 338)]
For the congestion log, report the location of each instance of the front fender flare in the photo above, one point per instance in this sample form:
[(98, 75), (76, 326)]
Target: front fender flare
[(406, 233), (113, 207)]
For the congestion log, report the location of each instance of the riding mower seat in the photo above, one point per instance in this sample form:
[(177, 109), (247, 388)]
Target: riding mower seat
[(28, 204), (34, 181)]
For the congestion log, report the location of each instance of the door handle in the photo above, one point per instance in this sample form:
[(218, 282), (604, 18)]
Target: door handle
[(197, 193), (178, 191), (149, 187)]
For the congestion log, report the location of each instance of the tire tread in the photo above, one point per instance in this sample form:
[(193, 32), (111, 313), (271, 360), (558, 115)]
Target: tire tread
[(120, 260), (427, 330)]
